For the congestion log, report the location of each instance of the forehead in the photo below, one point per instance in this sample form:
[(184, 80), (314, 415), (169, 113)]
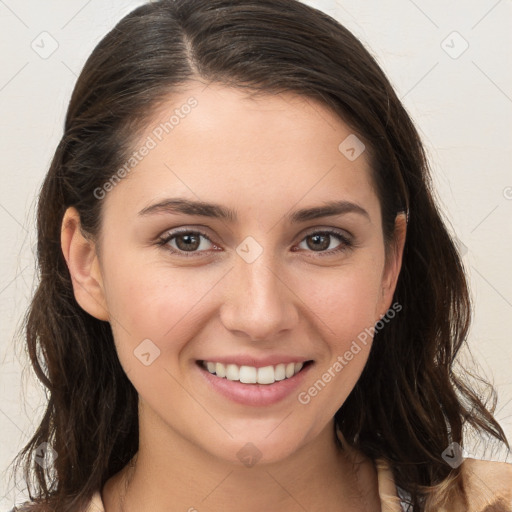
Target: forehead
[(223, 144)]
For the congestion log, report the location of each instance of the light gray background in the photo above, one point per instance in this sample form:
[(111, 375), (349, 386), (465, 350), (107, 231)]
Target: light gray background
[(461, 102)]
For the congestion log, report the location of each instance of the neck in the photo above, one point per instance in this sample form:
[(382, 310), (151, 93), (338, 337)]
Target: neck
[(175, 476)]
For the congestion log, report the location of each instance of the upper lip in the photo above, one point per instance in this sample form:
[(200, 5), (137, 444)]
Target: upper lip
[(257, 362)]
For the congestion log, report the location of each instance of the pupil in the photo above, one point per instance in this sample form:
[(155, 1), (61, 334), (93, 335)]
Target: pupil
[(188, 239), (317, 238)]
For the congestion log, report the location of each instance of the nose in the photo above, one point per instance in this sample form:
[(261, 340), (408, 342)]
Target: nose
[(259, 305)]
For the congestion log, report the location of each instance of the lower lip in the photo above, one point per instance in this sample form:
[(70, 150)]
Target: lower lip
[(254, 394)]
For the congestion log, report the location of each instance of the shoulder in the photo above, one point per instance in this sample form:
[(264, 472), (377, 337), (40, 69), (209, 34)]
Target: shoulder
[(488, 485)]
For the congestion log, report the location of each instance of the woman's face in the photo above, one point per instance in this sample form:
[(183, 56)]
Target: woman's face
[(272, 283)]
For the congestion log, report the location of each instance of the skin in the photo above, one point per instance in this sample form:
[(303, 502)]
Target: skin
[(263, 157)]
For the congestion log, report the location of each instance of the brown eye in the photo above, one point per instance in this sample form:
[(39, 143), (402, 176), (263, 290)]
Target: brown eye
[(188, 242), (320, 241), (183, 242)]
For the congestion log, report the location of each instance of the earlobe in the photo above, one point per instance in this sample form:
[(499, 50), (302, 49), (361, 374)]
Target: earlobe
[(394, 262), (82, 261)]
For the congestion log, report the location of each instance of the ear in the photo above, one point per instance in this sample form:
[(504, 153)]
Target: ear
[(82, 260), (393, 264)]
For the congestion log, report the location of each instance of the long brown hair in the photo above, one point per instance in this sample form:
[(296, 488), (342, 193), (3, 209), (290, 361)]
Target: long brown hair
[(408, 404)]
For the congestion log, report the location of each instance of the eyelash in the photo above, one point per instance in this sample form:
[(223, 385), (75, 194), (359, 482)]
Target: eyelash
[(346, 243)]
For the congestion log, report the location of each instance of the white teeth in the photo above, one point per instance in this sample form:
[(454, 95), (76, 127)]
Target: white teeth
[(290, 370), (232, 372), (253, 375), (266, 375), (280, 372), (248, 374), (220, 370)]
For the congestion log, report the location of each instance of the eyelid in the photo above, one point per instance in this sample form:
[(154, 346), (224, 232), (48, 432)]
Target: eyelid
[(173, 232), (328, 229)]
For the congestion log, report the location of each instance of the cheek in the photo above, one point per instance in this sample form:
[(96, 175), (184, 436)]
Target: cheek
[(343, 300), (343, 308), (166, 305), (153, 317)]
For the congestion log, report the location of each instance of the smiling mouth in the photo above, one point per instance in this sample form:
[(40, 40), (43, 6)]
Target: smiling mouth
[(253, 375)]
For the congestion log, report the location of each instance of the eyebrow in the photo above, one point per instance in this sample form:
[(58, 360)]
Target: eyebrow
[(203, 209)]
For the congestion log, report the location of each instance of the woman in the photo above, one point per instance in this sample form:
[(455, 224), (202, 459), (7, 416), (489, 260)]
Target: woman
[(248, 298)]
